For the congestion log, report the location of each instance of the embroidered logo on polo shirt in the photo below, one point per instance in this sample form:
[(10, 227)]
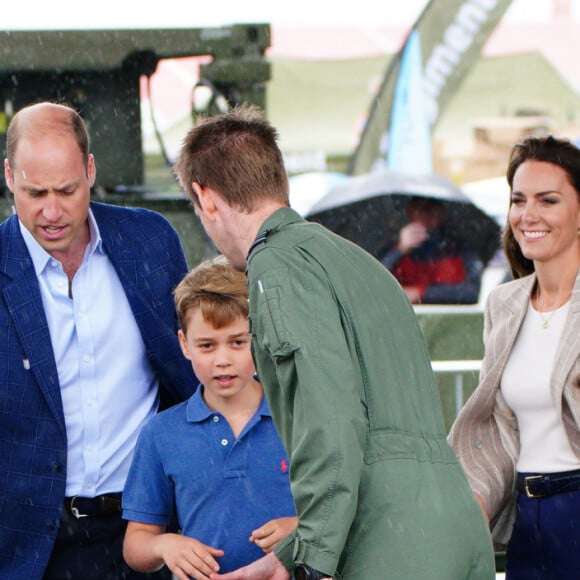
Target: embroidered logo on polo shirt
[(283, 466)]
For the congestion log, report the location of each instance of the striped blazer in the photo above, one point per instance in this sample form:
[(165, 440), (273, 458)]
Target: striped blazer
[(485, 434)]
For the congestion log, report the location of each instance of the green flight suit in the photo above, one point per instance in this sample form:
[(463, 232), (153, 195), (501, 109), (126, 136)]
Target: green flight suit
[(379, 492)]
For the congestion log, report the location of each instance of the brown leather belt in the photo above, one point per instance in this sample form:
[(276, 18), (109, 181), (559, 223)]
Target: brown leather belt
[(102, 505)]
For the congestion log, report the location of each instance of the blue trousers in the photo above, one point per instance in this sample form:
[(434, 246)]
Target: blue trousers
[(545, 543)]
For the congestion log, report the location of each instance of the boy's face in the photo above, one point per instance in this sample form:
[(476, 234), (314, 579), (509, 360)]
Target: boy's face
[(220, 357)]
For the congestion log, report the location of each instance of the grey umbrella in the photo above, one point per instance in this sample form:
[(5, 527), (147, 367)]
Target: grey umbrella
[(370, 210)]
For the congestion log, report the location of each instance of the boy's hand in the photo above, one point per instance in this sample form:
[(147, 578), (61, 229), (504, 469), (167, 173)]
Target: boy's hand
[(188, 558), (267, 536), (265, 568)]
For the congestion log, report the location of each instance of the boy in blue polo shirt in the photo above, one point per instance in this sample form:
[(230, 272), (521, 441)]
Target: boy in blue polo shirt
[(216, 459)]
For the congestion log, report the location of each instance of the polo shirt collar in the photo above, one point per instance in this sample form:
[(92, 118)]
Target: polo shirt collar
[(197, 410)]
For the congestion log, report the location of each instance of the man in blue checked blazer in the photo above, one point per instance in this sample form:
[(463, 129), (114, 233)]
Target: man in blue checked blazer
[(88, 351)]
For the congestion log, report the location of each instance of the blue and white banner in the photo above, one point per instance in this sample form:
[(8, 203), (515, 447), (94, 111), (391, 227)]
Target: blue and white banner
[(409, 137), (450, 35)]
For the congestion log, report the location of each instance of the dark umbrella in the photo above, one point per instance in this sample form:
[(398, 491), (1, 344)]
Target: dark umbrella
[(370, 210)]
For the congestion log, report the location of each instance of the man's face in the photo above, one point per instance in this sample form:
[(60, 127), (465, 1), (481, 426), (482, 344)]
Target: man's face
[(51, 186)]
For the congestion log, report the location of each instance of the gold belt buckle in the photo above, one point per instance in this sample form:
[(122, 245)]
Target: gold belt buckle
[(528, 492)]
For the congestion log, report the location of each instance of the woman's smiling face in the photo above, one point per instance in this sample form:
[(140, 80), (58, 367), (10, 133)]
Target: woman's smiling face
[(545, 212)]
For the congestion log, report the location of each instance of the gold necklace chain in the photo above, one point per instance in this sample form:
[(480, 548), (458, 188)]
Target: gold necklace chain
[(545, 321)]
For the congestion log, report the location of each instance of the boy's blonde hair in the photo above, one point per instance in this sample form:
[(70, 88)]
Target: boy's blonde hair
[(217, 289)]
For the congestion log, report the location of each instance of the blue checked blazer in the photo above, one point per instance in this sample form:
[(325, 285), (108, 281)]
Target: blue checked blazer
[(147, 255)]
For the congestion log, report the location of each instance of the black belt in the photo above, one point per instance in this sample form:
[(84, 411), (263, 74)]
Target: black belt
[(537, 486), (102, 505)]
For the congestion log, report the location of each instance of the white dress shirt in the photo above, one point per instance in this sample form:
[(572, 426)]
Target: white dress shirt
[(108, 387)]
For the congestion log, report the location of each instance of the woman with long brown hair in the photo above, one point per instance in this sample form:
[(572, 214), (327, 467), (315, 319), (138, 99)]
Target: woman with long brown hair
[(518, 436)]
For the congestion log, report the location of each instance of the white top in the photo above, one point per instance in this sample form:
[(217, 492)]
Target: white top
[(526, 388)]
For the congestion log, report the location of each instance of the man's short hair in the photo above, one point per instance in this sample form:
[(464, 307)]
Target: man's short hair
[(235, 154)]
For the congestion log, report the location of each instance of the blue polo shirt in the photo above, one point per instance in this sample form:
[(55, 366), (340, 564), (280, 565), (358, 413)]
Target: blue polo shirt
[(222, 487)]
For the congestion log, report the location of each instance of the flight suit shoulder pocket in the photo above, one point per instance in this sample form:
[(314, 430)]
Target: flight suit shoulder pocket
[(268, 318)]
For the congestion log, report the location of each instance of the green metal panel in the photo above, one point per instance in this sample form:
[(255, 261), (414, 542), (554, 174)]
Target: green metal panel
[(84, 50), (98, 72)]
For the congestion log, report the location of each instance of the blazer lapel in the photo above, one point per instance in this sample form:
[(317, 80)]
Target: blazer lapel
[(127, 259), (568, 348), (24, 302), (508, 313)]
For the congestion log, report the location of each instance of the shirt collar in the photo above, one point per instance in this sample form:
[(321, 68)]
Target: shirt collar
[(40, 257), (198, 411), (281, 217)]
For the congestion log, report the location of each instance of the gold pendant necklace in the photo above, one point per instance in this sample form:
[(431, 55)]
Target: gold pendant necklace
[(546, 321)]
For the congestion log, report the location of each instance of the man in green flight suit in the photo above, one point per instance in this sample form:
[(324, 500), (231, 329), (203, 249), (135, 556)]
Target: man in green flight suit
[(378, 492)]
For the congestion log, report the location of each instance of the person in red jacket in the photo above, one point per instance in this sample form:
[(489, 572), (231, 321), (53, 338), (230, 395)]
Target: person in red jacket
[(431, 266)]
